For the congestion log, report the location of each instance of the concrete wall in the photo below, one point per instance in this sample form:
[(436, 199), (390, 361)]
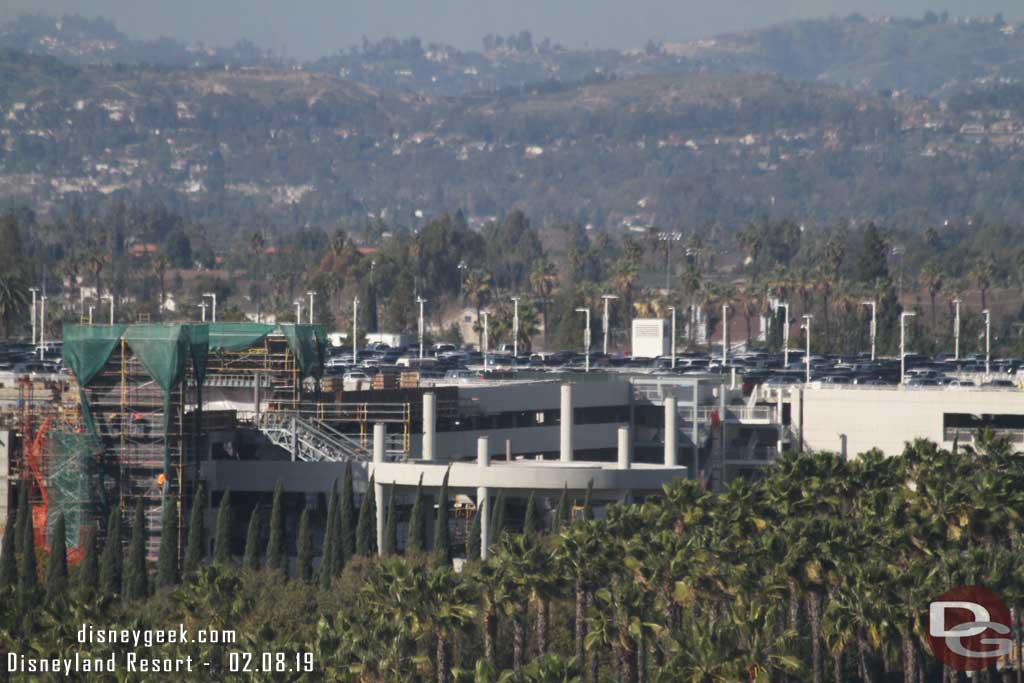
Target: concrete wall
[(887, 418)]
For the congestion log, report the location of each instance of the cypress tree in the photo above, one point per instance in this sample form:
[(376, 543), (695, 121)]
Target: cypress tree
[(442, 541), (251, 558), (530, 524), (498, 517), (112, 562), (563, 514), (414, 532), (366, 535), (346, 530), (136, 574), (222, 543), (22, 518), (588, 506), (275, 543), (473, 542), (328, 561), (391, 532), (57, 566), (8, 560), (89, 568), (28, 582), (167, 561), (304, 549), (196, 541)]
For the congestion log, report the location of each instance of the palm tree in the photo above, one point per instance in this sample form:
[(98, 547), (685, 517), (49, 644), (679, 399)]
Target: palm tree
[(931, 280), (543, 280), (14, 301), (982, 274), (478, 294)]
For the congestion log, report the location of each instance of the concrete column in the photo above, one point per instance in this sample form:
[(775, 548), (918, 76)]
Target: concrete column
[(429, 425), (671, 448), (483, 508), (565, 440), (625, 449), (483, 455), (378, 487)]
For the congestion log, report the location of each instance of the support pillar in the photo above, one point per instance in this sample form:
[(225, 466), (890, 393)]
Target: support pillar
[(483, 498), (429, 425), (671, 447), (565, 431), (378, 487), (625, 449)]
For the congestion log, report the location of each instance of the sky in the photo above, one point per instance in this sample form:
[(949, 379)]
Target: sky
[(304, 29)]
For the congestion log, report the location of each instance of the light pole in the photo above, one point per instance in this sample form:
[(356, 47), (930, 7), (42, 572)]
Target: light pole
[(725, 335), (355, 329), (213, 296), (420, 300), (874, 324), (673, 309), (604, 320), (956, 330), (807, 354), (515, 328), (33, 316), (785, 336), (988, 340), (298, 311), (462, 283), (311, 294), (903, 339), (42, 326), (586, 339), (486, 340), (91, 309), (203, 307), (111, 298)]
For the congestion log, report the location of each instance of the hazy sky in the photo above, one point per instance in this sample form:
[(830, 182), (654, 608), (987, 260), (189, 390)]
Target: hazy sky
[(310, 28)]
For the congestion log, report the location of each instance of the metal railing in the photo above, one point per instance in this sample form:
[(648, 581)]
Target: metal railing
[(310, 441), (967, 435), (751, 414)]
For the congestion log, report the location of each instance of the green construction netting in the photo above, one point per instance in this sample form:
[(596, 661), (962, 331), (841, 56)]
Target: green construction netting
[(69, 481), (86, 350), (237, 336), (307, 343)]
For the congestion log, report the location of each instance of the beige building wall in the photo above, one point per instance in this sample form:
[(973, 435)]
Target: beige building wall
[(887, 418)]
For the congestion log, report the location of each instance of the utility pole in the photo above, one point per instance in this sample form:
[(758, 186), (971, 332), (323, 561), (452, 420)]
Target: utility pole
[(486, 340), (807, 354), (111, 297), (586, 339), (213, 296), (988, 340), (202, 306), (956, 330), (91, 309), (34, 290), (725, 335), (903, 352), (355, 329), (42, 327), (311, 295), (298, 311), (604, 320), (874, 324)]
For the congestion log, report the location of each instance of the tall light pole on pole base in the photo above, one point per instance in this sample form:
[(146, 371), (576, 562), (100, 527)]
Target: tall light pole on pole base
[(903, 339), (604, 320), (111, 298), (420, 300), (42, 326), (956, 330), (785, 336), (673, 342), (355, 329), (34, 290), (515, 328), (202, 306), (311, 294), (586, 339), (725, 335), (988, 340), (807, 354), (486, 339), (213, 296), (874, 324)]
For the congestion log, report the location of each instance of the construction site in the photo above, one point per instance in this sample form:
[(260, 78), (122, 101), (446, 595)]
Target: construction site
[(159, 413)]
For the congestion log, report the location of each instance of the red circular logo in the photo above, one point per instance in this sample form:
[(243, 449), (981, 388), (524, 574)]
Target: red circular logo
[(969, 628)]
